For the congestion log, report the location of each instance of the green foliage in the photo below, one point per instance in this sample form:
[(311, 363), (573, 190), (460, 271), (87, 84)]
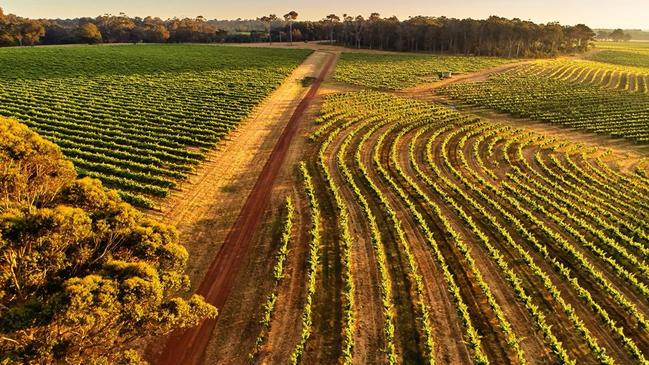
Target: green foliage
[(125, 60), (360, 109), (313, 261), (89, 33), (345, 242), (524, 200), (82, 274), (623, 57), (138, 118), (377, 244), (629, 78), (392, 71), (612, 112), (278, 274), (32, 170)]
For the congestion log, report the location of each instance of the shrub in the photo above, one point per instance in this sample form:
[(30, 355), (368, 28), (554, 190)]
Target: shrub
[(82, 273)]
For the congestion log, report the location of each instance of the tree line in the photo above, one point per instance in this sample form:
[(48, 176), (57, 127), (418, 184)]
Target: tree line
[(631, 34), (617, 35), (18, 31), (494, 36), (15, 30)]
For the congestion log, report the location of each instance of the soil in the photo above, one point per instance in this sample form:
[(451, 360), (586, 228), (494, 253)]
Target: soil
[(197, 213), (369, 340), (228, 216)]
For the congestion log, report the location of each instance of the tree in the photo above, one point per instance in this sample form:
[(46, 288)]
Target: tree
[(494, 36), (602, 34), (154, 30), (115, 28), (553, 34), (23, 31), (32, 31), (290, 17), (617, 35), (156, 34), (272, 18), (268, 20), (579, 37), (332, 20), (374, 28), (82, 274), (358, 26), (56, 33), (89, 33)]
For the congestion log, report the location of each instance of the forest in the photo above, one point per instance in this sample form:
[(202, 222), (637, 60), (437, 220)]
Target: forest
[(494, 36)]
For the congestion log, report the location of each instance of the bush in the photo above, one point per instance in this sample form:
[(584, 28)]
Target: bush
[(82, 273)]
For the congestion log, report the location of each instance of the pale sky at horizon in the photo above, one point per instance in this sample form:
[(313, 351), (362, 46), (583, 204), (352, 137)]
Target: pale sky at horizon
[(594, 13)]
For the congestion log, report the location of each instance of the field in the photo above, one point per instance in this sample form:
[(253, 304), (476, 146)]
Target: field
[(628, 78), (394, 71), (138, 118), (629, 54), (523, 93), (427, 198), (424, 233), (375, 214)]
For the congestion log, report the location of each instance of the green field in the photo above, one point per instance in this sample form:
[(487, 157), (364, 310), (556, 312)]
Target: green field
[(634, 45), (606, 75), (543, 211), (607, 94), (398, 71), (620, 57), (613, 112), (138, 117), (625, 53)]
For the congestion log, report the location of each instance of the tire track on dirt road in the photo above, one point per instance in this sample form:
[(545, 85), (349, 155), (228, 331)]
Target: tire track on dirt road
[(188, 346)]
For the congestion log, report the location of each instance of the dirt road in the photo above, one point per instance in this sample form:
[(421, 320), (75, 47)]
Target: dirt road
[(188, 346), (423, 91)]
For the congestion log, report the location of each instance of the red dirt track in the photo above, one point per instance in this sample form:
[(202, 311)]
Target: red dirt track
[(188, 346)]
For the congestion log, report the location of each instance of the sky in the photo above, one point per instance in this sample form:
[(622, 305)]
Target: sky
[(594, 13)]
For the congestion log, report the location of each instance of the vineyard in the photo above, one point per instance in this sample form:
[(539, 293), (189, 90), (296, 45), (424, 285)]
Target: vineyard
[(629, 78), (416, 232), (138, 118), (528, 248), (272, 183), (395, 71), (623, 58), (524, 93), (635, 54), (376, 222)]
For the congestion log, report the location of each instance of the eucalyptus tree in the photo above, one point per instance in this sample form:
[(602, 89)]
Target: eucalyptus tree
[(331, 20), (267, 20), (290, 17)]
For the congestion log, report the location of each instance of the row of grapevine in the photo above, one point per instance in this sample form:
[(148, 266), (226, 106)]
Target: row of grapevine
[(377, 244), (564, 271), (392, 72), (598, 351), (345, 241), (626, 54), (136, 126), (312, 264), (627, 78), (590, 108), (278, 274), (564, 228)]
